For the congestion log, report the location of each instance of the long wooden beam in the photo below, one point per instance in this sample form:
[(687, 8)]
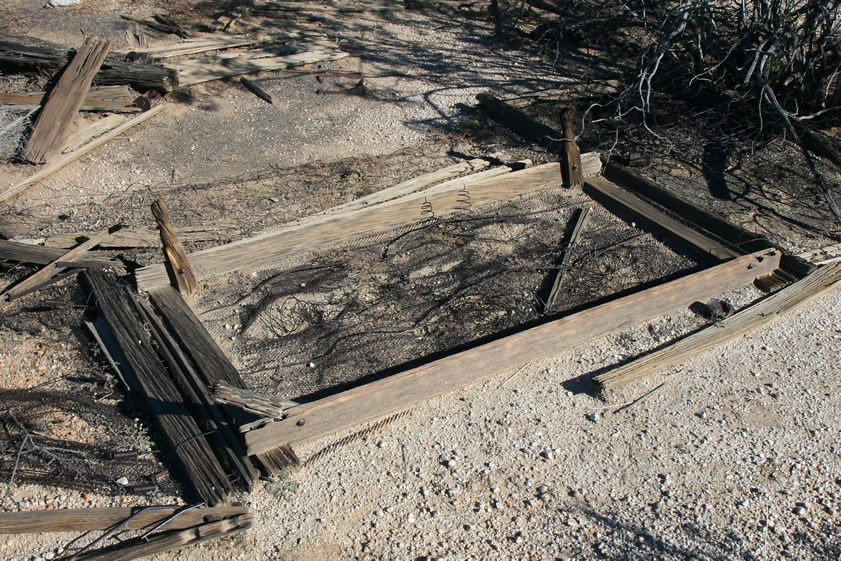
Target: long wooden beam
[(743, 322), (330, 228), (314, 420), (87, 519), (613, 196), (738, 238)]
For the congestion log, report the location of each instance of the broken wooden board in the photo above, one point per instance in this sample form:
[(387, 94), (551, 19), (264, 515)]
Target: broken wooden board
[(63, 102), (737, 238), (88, 132), (118, 99), (211, 364), (326, 230), (167, 541), (180, 270), (65, 159), (149, 237), (823, 255), (88, 519), (39, 255), (363, 404), (221, 432), (146, 374), (52, 268), (570, 153), (739, 324), (172, 49), (223, 66), (613, 196), (20, 58)]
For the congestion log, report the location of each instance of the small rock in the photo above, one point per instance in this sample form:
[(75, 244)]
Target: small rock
[(122, 481), (593, 417), (548, 454)]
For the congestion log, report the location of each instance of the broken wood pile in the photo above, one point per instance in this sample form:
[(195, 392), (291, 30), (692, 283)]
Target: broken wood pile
[(163, 528)]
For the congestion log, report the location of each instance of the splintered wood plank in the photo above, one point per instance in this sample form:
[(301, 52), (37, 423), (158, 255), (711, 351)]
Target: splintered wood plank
[(223, 435), (179, 266), (223, 66), (87, 519), (98, 99), (823, 255), (64, 101), (212, 365), (39, 255), (741, 323), (53, 268), (612, 195), (193, 46), (65, 159), (401, 391), (148, 237), (166, 541), (326, 230), (146, 374)]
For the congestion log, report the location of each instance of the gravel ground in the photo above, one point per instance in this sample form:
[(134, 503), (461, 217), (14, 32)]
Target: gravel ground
[(733, 455)]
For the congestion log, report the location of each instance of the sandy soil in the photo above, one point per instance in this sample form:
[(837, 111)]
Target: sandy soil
[(732, 455)]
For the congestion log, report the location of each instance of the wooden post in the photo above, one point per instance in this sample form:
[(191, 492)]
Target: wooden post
[(571, 161), (180, 271)]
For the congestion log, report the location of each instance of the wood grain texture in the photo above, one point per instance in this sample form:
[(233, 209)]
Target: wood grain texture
[(613, 196), (180, 270), (116, 71), (366, 403), (145, 373), (581, 219), (172, 49), (52, 268), (40, 255), (325, 230), (92, 102), (53, 123), (87, 519), (160, 543), (211, 363), (148, 237), (737, 238), (65, 159), (88, 132), (223, 436), (223, 66), (741, 323)]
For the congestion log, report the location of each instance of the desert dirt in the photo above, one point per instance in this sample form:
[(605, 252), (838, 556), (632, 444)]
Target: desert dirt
[(734, 454)]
